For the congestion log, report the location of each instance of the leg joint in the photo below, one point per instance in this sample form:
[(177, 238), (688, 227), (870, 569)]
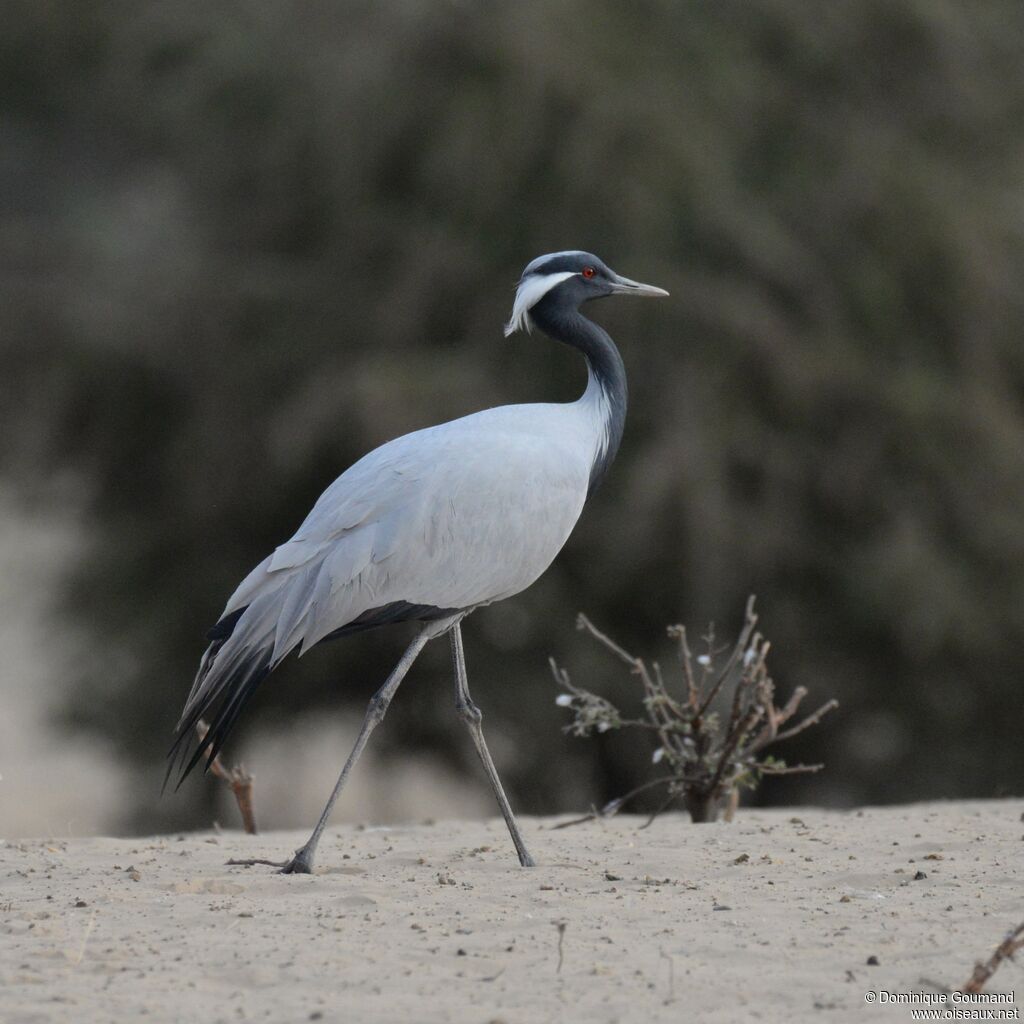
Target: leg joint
[(468, 711), (377, 708)]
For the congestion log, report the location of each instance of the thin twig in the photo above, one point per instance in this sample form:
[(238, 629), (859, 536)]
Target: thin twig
[(809, 720), (686, 658), (732, 805), (582, 622), (740, 648), (1013, 941), (654, 814), (732, 741), (613, 807), (768, 768), (560, 925), (76, 959), (594, 815), (240, 781), (785, 713)]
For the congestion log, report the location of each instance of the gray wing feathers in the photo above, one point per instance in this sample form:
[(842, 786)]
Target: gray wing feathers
[(295, 605), (293, 554)]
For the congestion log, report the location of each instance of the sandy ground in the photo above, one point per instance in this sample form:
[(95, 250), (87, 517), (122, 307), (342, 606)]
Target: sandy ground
[(773, 918)]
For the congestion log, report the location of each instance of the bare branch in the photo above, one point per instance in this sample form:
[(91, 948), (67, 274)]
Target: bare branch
[(732, 741), (787, 712), (582, 622), (810, 720), (787, 769), (739, 650), (670, 799), (240, 781), (686, 660), (592, 816), (1013, 941), (613, 807)]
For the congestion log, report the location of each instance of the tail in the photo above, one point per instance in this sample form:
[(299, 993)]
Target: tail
[(239, 658)]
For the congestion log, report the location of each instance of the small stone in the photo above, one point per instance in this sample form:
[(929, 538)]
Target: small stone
[(872, 961)]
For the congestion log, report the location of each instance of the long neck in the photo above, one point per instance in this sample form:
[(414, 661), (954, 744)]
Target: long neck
[(606, 386)]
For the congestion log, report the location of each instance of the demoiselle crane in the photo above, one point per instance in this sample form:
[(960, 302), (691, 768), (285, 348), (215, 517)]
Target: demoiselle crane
[(429, 527)]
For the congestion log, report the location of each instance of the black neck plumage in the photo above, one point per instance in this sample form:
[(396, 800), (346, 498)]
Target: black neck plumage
[(607, 372)]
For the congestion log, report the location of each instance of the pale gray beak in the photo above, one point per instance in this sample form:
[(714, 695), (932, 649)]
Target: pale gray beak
[(623, 286)]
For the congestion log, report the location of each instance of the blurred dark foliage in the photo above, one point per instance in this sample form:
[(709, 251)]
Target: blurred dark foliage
[(242, 244)]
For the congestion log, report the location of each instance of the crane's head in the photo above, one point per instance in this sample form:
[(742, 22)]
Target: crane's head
[(570, 278)]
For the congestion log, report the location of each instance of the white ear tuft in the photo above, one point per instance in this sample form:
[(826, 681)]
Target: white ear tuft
[(531, 290)]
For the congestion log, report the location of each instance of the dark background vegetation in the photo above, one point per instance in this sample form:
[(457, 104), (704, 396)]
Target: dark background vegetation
[(242, 243)]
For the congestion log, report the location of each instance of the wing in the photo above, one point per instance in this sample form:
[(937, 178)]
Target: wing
[(437, 521)]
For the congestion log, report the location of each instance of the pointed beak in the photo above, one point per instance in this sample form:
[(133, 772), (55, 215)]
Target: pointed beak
[(623, 286)]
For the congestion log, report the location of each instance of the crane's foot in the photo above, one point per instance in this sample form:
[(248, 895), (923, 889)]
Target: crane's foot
[(300, 864), (526, 860)]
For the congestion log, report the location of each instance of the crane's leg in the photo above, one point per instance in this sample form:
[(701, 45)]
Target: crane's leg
[(472, 716), (302, 862)]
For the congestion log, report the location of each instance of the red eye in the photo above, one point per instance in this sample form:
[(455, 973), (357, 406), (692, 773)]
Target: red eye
[(588, 272)]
